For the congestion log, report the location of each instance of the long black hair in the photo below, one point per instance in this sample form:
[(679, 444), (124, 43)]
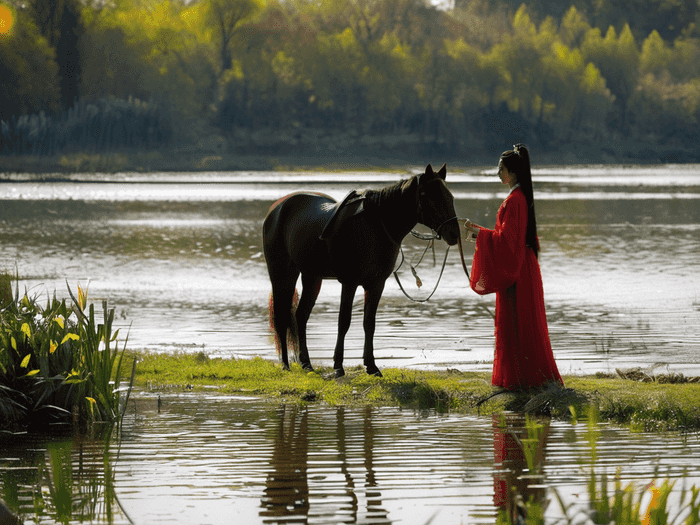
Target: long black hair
[(517, 161)]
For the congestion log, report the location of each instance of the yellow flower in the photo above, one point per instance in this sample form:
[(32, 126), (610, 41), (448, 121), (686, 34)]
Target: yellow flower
[(52, 347), (653, 504), (82, 297), (74, 337), (91, 405)]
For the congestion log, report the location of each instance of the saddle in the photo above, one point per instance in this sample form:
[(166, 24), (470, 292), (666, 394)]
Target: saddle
[(351, 205)]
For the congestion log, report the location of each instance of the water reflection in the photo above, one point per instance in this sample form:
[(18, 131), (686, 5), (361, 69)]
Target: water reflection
[(348, 494), (519, 449), (220, 459), (66, 479), (287, 486)]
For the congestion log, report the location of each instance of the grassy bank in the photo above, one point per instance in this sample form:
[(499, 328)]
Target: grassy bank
[(646, 404)]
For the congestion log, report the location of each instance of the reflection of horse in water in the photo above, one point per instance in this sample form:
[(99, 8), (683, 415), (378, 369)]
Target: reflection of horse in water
[(513, 447), (356, 242), (287, 487), (287, 495)]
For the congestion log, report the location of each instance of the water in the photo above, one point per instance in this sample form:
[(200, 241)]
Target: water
[(209, 459), (180, 258)]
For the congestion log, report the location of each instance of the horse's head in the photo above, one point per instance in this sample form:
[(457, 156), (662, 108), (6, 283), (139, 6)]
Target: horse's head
[(436, 204)]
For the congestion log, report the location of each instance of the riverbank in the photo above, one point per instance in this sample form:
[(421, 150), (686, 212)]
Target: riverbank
[(215, 155), (636, 400)]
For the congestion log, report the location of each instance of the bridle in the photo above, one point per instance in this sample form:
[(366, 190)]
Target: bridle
[(431, 238), (421, 216)]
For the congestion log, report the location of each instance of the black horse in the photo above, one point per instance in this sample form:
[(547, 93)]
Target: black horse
[(356, 242)]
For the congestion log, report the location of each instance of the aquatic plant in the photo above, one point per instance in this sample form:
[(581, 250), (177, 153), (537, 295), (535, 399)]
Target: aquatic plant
[(609, 502), (58, 363)]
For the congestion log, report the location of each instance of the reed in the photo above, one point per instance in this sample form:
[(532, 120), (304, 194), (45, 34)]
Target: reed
[(59, 363), (609, 501), (89, 127)]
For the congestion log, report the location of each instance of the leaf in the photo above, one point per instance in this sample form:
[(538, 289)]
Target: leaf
[(74, 337), (26, 330), (13, 343), (25, 361), (32, 373)]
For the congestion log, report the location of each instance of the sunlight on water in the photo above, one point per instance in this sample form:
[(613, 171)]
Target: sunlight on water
[(270, 463), (216, 459), (180, 257)]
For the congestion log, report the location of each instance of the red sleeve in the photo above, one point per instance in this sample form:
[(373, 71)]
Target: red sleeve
[(500, 252)]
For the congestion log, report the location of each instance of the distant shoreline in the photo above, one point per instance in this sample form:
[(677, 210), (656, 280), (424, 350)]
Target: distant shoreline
[(202, 160)]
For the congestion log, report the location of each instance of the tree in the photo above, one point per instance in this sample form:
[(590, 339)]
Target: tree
[(61, 24), (618, 61), (28, 69)]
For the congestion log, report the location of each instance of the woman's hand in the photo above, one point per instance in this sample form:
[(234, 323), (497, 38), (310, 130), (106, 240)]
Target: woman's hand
[(472, 230)]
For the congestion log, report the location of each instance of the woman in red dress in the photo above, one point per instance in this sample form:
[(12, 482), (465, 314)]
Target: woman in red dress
[(505, 263)]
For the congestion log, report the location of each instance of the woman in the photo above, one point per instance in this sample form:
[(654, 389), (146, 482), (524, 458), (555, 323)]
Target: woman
[(505, 263)]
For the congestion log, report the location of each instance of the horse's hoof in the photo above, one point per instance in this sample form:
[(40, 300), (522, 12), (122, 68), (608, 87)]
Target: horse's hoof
[(339, 372), (285, 367), (374, 371), (307, 367)]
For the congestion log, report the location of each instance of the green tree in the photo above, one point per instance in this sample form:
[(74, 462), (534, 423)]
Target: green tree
[(60, 22), (28, 69), (618, 59)]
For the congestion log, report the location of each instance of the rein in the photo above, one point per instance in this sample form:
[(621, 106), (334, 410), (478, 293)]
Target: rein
[(431, 237)]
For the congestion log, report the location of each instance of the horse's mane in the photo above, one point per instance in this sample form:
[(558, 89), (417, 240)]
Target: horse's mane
[(390, 194)]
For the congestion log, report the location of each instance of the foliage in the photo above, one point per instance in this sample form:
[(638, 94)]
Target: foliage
[(58, 363), (281, 77), (30, 81)]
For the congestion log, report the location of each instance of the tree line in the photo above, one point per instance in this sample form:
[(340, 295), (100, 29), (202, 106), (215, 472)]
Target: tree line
[(281, 76)]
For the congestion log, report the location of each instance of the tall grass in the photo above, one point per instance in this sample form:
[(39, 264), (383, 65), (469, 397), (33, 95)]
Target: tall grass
[(101, 126), (609, 501), (58, 363)]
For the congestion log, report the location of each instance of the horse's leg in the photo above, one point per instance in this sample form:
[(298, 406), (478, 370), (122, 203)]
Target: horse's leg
[(311, 287), (372, 297), (283, 284), (344, 317)]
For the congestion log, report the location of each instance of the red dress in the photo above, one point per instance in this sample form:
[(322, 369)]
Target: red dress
[(504, 265)]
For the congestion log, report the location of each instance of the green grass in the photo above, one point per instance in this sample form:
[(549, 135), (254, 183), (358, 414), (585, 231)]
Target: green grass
[(639, 405)]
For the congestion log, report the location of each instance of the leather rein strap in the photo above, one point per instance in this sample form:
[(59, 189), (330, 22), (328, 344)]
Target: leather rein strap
[(432, 238)]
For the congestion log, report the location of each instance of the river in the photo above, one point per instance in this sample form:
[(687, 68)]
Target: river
[(179, 256)]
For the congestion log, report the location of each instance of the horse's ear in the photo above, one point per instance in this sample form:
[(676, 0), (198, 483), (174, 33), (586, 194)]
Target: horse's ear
[(443, 171), (429, 170)]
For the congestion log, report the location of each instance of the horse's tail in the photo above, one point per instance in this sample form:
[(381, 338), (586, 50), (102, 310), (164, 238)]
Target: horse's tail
[(293, 330)]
